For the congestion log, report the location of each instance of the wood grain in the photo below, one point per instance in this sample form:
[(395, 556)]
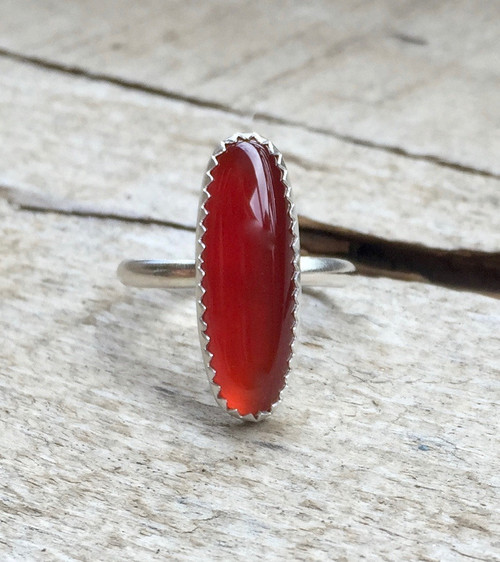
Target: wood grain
[(112, 445), (421, 78), (98, 146)]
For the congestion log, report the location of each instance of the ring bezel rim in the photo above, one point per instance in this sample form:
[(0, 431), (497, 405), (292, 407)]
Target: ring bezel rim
[(200, 246)]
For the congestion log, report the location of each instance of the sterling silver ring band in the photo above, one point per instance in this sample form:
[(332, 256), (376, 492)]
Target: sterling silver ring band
[(314, 271)]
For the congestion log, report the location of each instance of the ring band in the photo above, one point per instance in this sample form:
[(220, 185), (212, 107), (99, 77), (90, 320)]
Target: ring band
[(248, 275), (157, 274)]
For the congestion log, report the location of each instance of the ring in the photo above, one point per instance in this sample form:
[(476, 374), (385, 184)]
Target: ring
[(248, 275)]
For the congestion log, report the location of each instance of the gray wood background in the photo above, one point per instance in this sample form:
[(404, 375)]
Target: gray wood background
[(387, 444)]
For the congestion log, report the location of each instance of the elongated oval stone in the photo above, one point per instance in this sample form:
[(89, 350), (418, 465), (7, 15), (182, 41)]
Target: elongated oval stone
[(249, 282)]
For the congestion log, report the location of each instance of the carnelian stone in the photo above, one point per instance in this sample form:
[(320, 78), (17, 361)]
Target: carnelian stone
[(249, 281)]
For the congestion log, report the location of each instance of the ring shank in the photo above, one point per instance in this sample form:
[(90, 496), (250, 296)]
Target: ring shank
[(314, 271)]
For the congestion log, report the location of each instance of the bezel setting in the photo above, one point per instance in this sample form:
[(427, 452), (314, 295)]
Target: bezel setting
[(200, 246)]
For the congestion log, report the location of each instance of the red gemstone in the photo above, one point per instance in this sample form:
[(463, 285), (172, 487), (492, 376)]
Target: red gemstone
[(249, 281)]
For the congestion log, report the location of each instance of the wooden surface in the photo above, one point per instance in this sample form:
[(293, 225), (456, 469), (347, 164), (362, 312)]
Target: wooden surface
[(111, 447), (422, 77)]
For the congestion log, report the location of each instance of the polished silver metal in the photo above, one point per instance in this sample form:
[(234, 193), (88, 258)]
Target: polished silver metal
[(318, 271), (157, 274)]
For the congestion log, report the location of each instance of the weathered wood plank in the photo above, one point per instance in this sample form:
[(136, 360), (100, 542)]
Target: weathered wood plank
[(111, 446), (421, 77), (385, 446), (101, 146)]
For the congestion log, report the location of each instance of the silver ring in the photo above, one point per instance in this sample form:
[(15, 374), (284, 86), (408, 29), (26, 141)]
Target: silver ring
[(181, 274), (248, 275)]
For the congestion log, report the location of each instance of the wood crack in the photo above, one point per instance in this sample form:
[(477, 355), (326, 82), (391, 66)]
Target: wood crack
[(374, 256), (259, 116), (397, 150), (25, 200), (464, 269)]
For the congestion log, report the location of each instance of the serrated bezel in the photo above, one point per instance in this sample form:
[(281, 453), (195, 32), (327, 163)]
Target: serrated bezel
[(200, 291)]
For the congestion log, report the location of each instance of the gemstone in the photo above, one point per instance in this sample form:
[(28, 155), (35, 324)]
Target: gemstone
[(249, 277)]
